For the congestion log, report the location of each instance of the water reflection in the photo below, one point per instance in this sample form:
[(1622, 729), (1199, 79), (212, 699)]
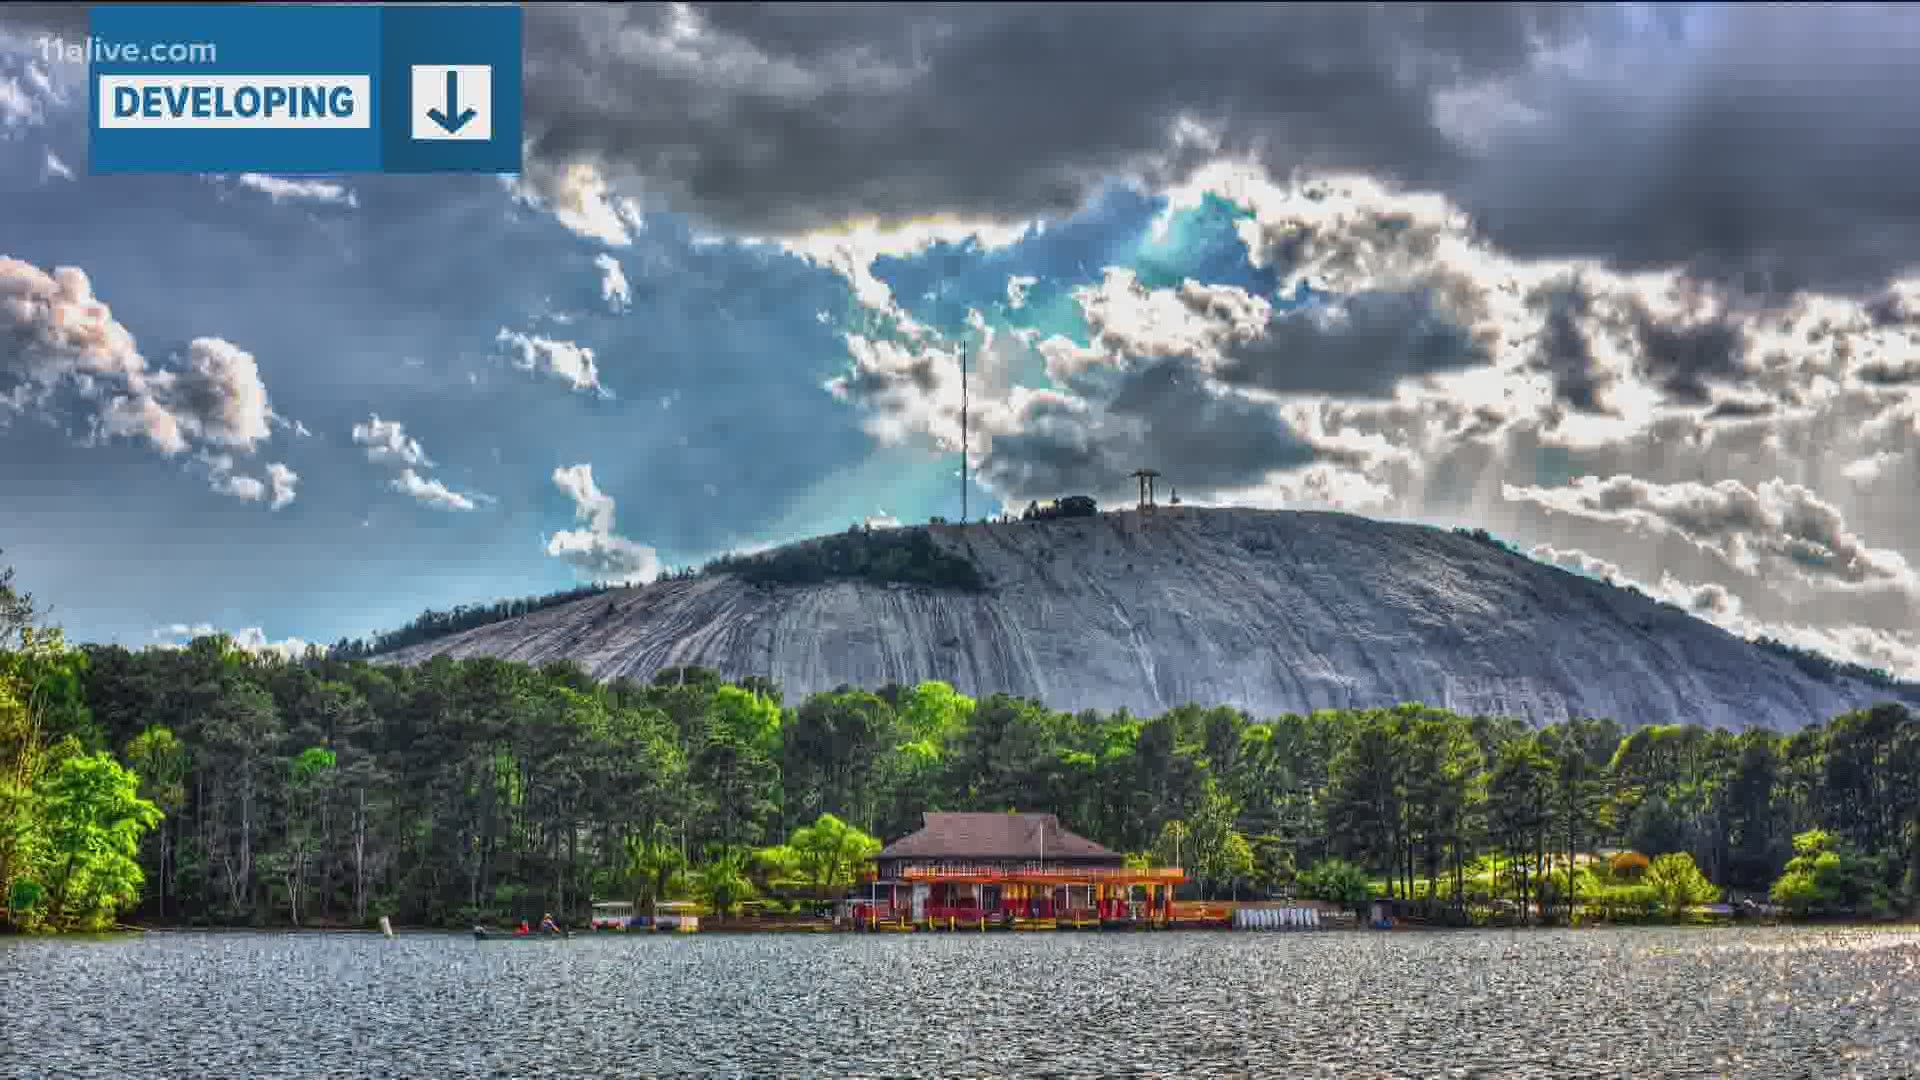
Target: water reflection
[(1759, 1003)]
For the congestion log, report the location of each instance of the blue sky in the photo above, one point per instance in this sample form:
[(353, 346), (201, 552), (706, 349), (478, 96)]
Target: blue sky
[(1531, 269)]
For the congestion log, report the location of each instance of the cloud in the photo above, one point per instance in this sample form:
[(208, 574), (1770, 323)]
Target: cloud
[(778, 122), (387, 442), (1569, 131), (239, 486), (277, 488), (850, 248), (1161, 416), (217, 395), (1893, 651), (579, 197), (53, 168), (1775, 525), (1578, 561), (564, 360), (61, 343), (430, 492), (1868, 469), (283, 189), (596, 551), (26, 92), (1017, 287), (1553, 369), (1748, 149), (53, 328), (252, 639), (281, 480), (1358, 345), (614, 288)]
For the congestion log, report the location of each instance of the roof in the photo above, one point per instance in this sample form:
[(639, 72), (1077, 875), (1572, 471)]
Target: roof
[(994, 836)]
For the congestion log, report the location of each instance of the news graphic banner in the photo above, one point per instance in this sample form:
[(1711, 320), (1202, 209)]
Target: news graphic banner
[(304, 88)]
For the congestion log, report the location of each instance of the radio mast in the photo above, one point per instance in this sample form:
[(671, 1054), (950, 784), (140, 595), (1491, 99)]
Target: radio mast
[(963, 432)]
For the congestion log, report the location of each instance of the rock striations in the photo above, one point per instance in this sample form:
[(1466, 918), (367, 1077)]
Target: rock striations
[(1270, 611)]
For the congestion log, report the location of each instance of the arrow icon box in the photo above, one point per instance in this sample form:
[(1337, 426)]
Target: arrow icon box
[(451, 102)]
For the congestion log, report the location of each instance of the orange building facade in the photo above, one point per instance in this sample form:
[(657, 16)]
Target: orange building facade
[(1009, 871)]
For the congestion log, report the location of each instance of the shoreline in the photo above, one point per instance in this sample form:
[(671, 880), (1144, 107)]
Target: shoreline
[(1910, 925)]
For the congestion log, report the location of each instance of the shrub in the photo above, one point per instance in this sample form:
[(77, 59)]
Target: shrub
[(1338, 882)]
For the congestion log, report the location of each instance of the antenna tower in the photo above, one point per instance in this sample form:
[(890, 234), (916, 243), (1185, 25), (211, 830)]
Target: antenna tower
[(963, 433)]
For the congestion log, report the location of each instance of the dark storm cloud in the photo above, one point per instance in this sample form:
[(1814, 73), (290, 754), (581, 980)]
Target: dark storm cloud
[(1762, 143), (1361, 347), (1564, 352), (1682, 359), (1740, 409), (1159, 416), (1776, 149), (774, 118), (29, 20)]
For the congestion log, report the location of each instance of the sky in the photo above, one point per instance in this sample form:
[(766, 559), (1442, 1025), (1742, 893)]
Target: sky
[(1632, 287)]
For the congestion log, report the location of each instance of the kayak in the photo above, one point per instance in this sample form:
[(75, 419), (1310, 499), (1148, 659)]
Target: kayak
[(508, 935)]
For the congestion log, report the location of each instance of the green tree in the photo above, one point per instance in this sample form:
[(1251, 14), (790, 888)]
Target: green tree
[(831, 853), (721, 881), (1338, 881), (1221, 856), (1826, 877), (95, 818), (652, 861), (161, 761), (1520, 816), (1679, 884)]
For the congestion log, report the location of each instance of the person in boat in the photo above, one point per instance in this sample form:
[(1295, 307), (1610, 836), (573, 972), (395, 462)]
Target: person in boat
[(547, 925)]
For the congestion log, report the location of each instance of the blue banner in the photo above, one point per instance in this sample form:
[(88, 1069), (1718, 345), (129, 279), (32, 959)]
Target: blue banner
[(321, 88)]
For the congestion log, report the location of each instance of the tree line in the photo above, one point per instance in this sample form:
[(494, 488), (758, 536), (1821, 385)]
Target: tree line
[(208, 784), (431, 625)]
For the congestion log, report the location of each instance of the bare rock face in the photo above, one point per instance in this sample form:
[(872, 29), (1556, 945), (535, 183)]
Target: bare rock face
[(1269, 611)]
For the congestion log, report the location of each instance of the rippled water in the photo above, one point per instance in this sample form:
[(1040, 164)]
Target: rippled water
[(1630, 1003)]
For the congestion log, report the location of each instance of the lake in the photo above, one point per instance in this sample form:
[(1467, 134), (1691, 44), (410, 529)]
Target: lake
[(1772, 1003)]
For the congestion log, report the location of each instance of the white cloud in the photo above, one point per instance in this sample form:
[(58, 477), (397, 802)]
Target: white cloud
[(579, 197), (851, 249), (565, 360), (1868, 469), (60, 345), (430, 492), (53, 168), (387, 442), (283, 189), (597, 551), (277, 489), (1893, 651), (23, 100), (1017, 288), (218, 394), (252, 639), (614, 288), (281, 480), (240, 486), (1577, 561), (1775, 526)]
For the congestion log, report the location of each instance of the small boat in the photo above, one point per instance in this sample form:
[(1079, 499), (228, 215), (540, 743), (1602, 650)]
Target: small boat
[(481, 933)]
